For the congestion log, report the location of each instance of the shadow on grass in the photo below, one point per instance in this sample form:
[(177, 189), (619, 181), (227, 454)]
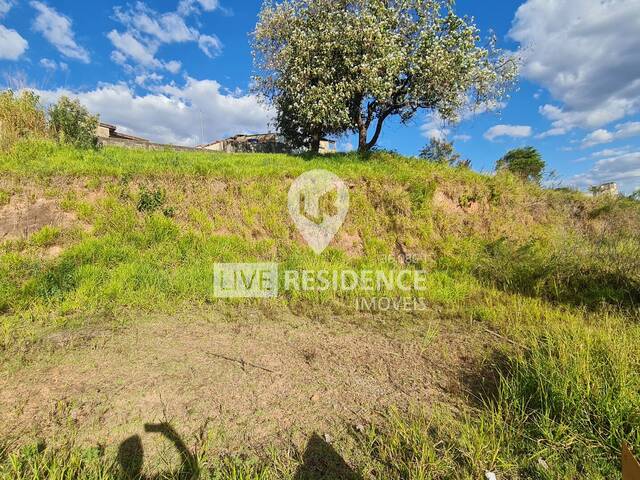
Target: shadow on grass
[(320, 461), (131, 455), (481, 381)]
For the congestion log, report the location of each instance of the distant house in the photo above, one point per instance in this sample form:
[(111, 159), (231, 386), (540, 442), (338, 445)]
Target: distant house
[(109, 136), (261, 143), (106, 131), (606, 189)]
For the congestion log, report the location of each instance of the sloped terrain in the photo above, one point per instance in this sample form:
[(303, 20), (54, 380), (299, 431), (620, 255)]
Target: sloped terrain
[(520, 359)]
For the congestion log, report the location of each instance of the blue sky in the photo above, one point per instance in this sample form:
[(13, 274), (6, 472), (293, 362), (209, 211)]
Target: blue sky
[(179, 71)]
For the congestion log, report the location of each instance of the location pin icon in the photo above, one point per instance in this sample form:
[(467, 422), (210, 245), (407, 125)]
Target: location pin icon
[(305, 196)]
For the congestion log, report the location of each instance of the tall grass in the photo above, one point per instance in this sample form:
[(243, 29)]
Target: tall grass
[(21, 117)]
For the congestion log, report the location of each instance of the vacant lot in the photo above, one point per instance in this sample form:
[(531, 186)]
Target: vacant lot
[(117, 358)]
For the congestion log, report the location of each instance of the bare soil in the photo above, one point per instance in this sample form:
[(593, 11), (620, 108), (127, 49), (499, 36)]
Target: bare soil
[(255, 380), (20, 219)]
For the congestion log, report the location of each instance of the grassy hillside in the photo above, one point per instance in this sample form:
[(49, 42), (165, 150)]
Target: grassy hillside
[(551, 277)]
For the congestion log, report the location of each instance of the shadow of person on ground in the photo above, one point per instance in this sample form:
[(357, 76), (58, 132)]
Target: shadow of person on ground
[(322, 462), (131, 455)]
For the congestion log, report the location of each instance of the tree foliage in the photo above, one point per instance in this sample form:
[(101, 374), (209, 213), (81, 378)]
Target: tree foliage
[(442, 151), (21, 116), (70, 122), (527, 163), (337, 66)]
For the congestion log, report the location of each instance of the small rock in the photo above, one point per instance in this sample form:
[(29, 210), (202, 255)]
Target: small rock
[(328, 438), (360, 428), (490, 475)]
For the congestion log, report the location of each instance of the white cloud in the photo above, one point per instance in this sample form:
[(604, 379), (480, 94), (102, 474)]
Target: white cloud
[(622, 130), (174, 114), (152, 77), (165, 28), (173, 66), (435, 127), (462, 138), (612, 152), (586, 53), (514, 131), (470, 110), (12, 45), (58, 31), (623, 169), (553, 132), (49, 64), (210, 45), (127, 46), (5, 6), (147, 30), (597, 137), (186, 7)]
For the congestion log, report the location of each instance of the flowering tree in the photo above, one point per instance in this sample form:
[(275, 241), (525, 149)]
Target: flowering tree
[(337, 66)]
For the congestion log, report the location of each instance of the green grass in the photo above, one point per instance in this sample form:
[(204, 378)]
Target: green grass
[(557, 273)]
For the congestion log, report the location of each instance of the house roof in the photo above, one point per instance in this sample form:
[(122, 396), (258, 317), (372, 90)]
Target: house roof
[(249, 136), (113, 133)]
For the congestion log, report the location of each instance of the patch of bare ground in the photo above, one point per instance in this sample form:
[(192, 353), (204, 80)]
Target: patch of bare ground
[(254, 380), (19, 219)]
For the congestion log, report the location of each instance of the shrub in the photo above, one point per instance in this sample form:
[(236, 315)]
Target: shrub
[(153, 200), (441, 151), (526, 163), (72, 123), (21, 116)]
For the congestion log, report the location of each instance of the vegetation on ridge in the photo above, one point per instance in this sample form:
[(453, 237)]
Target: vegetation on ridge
[(556, 273)]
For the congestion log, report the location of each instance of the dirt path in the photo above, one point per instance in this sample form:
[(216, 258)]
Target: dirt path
[(254, 381)]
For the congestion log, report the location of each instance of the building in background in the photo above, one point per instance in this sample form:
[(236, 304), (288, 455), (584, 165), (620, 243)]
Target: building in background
[(606, 189), (106, 131), (262, 143)]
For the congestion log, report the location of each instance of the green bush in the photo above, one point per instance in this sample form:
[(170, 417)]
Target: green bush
[(441, 151), (21, 116), (71, 123), (526, 163), (152, 200)]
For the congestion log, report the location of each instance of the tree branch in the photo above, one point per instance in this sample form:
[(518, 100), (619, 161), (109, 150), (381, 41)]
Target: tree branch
[(378, 130)]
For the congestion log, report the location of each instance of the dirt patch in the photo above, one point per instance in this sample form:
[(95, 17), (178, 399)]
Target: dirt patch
[(463, 205), (350, 243), (20, 219), (446, 203), (257, 381)]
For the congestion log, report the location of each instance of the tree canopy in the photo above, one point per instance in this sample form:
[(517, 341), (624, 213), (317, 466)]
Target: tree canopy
[(71, 122), (338, 66), (527, 163), (442, 151)]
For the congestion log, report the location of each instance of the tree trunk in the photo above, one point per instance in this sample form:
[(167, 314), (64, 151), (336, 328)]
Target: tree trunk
[(363, 145), (315, 144), (376, 134), (362, 138)]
